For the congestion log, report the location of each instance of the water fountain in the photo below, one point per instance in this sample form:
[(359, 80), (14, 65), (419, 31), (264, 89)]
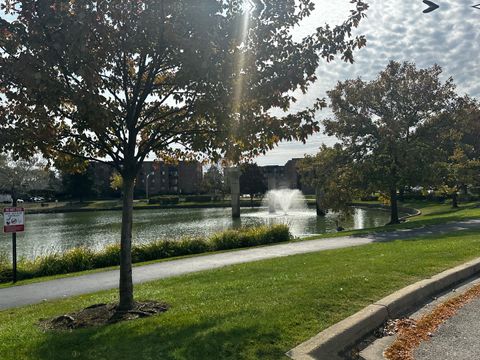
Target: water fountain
[(285, 201)]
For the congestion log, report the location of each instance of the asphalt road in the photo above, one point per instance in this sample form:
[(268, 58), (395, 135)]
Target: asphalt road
[(456, 339), (17, 296)]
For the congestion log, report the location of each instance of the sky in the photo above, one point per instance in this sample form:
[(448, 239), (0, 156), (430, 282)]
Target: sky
[(395, 30)]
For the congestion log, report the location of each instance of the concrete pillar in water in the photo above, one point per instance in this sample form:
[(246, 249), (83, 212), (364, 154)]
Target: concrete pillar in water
[(234, 177)]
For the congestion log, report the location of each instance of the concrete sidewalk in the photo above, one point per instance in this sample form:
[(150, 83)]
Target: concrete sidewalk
[(17, 296)]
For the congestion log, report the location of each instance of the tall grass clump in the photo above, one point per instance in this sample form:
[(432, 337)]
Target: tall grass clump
[(233, 239), (5, 268), (81, 259)]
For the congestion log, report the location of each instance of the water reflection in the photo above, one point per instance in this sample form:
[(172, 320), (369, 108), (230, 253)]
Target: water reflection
[(46, 233)]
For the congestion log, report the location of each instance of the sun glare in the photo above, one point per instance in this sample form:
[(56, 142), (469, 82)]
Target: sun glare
[(247, 10)]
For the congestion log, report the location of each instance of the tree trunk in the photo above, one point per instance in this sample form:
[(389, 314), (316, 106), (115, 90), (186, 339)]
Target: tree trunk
[(126, 284), (393, 207), (14, 239), (318, 202), (455, 200), (251, 200), (14, 196)]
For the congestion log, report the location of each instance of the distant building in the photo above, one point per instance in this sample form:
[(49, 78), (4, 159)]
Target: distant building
[(278, 177), (190, 177), (286, 176), (182, 178)]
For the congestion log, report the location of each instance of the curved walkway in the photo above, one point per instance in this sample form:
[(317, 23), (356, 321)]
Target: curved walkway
[(55, 289)]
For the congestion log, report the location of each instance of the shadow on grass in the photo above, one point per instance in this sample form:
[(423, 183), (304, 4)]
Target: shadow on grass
[(208, 338)]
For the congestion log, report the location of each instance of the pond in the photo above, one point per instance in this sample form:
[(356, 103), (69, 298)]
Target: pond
[(47, 233)]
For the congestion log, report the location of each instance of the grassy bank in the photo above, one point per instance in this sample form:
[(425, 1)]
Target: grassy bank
[(432, 213), (82, 259), (249, 311)]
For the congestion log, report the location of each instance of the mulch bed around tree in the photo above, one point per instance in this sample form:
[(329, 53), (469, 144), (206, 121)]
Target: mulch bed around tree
[(410, 333), (102, 314)]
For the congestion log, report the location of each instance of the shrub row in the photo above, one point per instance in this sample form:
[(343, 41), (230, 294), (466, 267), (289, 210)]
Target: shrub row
[(80, 259)]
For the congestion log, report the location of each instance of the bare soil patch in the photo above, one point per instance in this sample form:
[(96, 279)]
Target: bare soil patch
[(102, 314)]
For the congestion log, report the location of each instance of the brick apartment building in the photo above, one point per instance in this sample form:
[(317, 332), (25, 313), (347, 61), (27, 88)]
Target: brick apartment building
[(182, 178)]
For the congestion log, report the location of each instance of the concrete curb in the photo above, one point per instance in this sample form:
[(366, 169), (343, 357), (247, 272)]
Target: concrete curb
[(329, 343), (416, 212)]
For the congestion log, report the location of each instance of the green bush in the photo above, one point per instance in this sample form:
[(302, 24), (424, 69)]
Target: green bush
[(109, 256), (80, 259), (232, 239)]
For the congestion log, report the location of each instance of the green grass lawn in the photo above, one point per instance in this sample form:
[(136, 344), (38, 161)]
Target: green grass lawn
[(251, 311), (434, 211)]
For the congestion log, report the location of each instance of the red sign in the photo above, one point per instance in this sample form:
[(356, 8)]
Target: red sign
[(13, 220)]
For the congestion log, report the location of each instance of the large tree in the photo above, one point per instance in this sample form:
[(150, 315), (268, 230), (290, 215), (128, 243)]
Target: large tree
[(252, 180), (379, 123), (334, 176), (79, 185), (21, 176), (213, 181), (115, 81)]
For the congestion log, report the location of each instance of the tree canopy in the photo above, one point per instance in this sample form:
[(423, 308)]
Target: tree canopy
[(22, 175), (333, 175), (456, 135), (213, 181), (252, 180), (122, 79), (79, 185)]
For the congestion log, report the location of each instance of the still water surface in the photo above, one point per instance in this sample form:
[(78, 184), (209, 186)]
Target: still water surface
[(47, 233)]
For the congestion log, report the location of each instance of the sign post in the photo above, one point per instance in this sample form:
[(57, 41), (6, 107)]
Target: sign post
[(13, 222)]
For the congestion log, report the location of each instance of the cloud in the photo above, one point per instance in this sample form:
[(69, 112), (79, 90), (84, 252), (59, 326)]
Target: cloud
[(395, 30)]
